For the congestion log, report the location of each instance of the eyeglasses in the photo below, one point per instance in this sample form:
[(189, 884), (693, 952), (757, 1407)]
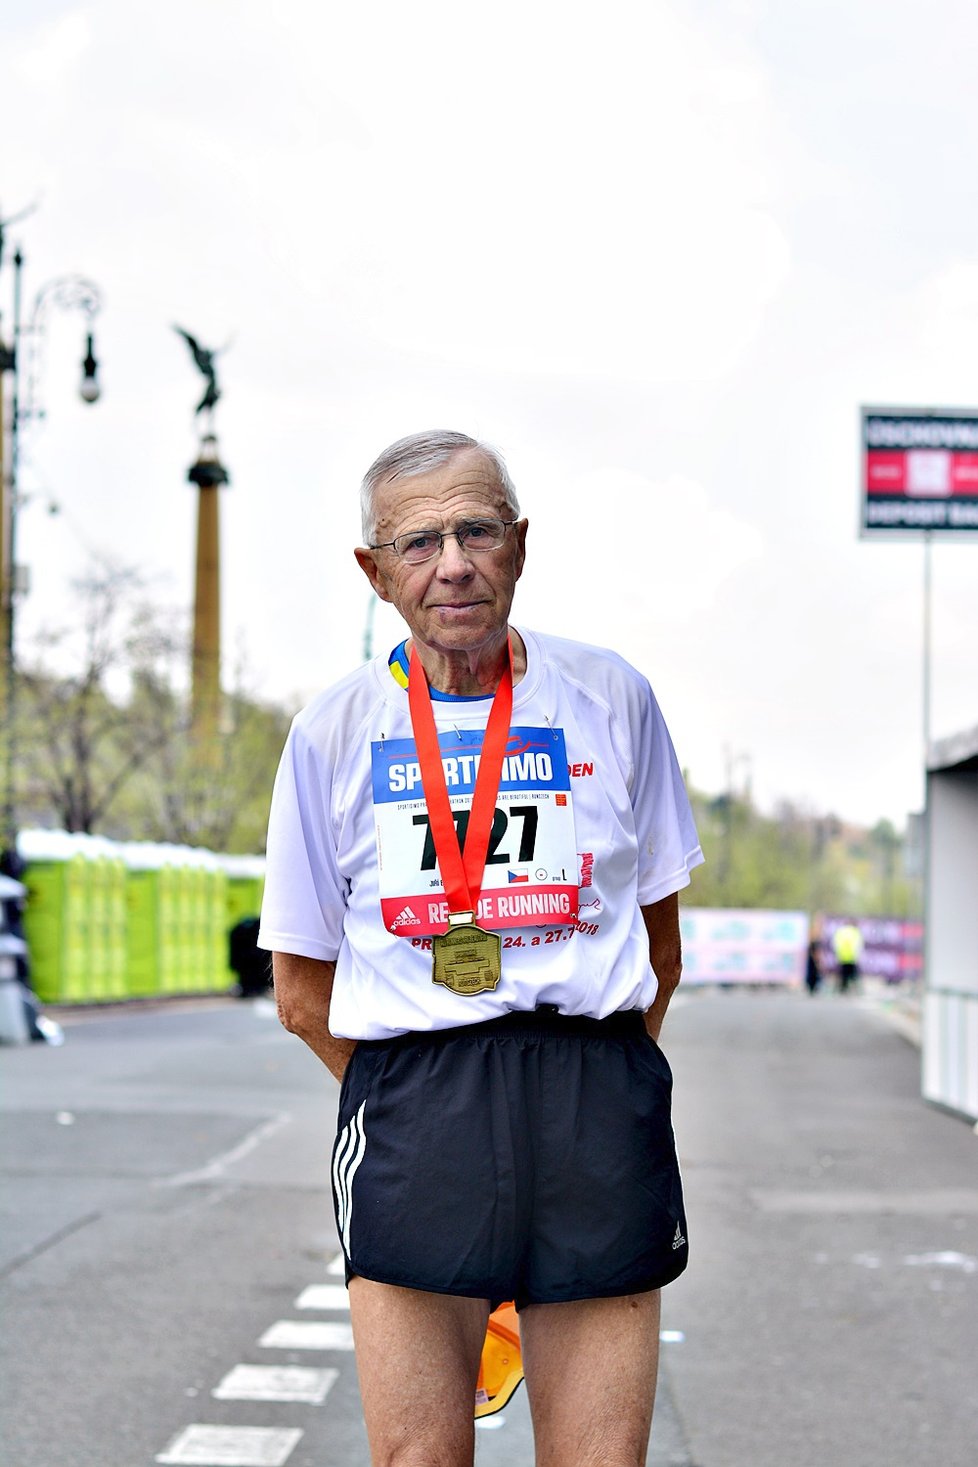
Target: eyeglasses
[(420, 545)]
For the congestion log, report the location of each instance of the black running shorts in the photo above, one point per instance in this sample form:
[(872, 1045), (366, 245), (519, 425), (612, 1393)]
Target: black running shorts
[(529, 1158)]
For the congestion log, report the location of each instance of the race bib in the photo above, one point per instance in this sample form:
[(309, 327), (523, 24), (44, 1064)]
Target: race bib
[(530, 876)]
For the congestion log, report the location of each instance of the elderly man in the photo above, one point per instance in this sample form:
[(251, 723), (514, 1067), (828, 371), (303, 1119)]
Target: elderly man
[(474, 854)]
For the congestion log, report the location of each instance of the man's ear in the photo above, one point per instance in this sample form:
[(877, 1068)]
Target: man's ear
[(367, 562), (520, 529)]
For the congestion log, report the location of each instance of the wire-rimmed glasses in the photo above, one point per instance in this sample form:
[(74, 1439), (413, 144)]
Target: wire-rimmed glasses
[(417, 546)]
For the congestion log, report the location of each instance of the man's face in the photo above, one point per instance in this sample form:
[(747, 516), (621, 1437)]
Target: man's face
[(459, 601)]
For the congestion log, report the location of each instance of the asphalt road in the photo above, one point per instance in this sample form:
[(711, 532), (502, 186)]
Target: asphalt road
[(830, 1310), (166, 1222)]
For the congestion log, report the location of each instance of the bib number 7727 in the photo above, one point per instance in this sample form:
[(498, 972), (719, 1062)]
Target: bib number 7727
[(527, 816)]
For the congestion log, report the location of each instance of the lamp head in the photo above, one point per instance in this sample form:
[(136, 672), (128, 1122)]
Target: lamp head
[(89, 388)]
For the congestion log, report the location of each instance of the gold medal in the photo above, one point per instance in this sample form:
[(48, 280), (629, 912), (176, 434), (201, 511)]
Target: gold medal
[(467, 960)]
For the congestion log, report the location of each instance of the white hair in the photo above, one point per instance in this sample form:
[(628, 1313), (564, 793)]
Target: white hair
[(422, 453)]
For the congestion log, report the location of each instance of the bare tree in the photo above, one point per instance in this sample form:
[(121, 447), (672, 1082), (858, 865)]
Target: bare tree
[(96, 700), (218, 795)]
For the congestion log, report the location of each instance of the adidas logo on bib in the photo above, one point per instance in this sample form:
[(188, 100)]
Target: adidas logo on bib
[(405, 918), (678, 1240)]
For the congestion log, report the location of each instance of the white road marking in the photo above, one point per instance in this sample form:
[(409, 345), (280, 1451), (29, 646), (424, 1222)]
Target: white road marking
[(276, 1383), (671, 1336), (231, 1446), (324, 1296), (303, 1334), (963, 1261), (919, 1202), (218, 1165), (338, 1266)]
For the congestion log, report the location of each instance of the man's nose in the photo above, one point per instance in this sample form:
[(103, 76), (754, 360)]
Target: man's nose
[(453, 562)]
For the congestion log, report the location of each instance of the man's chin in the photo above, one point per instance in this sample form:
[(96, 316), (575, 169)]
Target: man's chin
[(460, 634)]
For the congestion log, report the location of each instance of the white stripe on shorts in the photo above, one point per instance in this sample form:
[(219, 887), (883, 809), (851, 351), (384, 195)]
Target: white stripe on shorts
[(350, 1147)]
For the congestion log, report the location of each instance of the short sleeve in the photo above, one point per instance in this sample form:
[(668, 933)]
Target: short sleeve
[(305, 896), (668, 845)]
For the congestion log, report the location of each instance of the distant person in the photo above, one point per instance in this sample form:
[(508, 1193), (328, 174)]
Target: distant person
[(246, 959), (12, 910), (12, 901), (847, 944), (813, 966)]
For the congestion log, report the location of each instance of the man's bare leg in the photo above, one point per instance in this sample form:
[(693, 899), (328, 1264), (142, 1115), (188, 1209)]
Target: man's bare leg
[(590, 1374), (418, 1361)]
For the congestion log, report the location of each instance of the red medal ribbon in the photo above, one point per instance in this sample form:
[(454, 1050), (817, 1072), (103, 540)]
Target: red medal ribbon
[(461, 873)]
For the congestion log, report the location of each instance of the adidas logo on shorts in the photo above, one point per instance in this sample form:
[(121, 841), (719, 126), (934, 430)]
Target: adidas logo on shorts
[(678, 1240), (405, 918)]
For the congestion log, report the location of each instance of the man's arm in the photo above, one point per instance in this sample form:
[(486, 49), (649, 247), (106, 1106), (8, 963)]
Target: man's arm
[(665, 955), (302, 992)]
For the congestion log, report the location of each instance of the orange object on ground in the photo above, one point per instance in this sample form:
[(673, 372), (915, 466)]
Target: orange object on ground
[(501, 1367)]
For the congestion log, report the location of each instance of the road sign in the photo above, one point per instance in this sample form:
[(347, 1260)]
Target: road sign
[(919, 470)]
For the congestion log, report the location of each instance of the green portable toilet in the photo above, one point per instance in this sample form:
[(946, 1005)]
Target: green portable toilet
[(221, 978), (116, 927), (58, 915), (185, 926), (98, 922), (203, 886), (108, 920), (44, 927), (170, 936), (193, 981), (143, 972), (46, 854), (104, 917), (78, 986), (143, 938)]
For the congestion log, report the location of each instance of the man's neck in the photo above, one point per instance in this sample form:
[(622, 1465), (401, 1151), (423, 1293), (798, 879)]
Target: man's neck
[(470, 674)]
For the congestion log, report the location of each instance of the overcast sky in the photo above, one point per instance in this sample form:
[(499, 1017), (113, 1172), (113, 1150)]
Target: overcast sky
[(658, 254)]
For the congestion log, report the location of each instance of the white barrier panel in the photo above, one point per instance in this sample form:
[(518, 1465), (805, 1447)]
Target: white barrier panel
[(723, 945)]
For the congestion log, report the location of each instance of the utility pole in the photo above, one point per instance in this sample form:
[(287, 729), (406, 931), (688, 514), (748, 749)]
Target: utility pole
[(7, 362), (8, 598)]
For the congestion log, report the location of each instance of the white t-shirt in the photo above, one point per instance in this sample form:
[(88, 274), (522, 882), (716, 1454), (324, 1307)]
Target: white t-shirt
[(592, 822)]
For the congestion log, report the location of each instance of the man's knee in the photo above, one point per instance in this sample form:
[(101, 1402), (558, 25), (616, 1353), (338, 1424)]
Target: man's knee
[(591, 1374), (425, 1449), (417, 1417)]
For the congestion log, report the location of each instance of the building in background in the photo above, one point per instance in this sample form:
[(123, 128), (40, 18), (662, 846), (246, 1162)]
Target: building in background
[(950, 1016)]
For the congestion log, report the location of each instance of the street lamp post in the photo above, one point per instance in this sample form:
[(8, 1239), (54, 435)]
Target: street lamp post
[(66, 292)]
